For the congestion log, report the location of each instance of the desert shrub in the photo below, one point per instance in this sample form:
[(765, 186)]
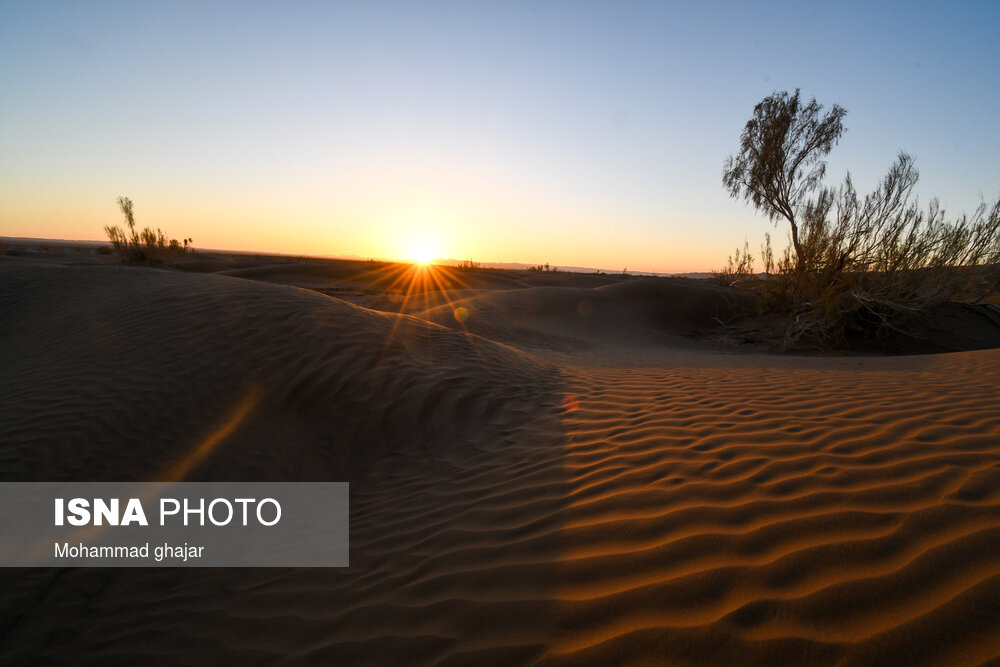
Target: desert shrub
[(873, 264), (856, 264), (546, 267), (3, 248), (739, 271), (879, 262), (468, 265), (103, 250), (141, 247)]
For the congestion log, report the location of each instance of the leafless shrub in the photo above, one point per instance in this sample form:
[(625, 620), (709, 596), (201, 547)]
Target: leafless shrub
[(739, 271), (141, 247)]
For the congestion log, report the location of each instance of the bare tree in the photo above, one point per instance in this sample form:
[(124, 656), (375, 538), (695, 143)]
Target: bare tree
[(780, 161)]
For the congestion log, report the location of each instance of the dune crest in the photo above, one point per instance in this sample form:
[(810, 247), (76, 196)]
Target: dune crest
[(97, 356), (694, 507)]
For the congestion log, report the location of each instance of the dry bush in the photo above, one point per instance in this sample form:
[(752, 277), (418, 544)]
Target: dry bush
[(874, 264), (739, 271), (543, 268), (145, 246), (871, 264), (878, 262)]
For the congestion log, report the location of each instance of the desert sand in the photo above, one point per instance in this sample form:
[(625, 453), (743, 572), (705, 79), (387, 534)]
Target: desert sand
[(553, 469)]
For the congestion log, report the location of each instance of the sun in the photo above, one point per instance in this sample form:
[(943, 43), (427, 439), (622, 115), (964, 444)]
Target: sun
[(422, 253)]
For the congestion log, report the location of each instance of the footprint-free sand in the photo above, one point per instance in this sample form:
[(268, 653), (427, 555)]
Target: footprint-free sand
[(544, 469)]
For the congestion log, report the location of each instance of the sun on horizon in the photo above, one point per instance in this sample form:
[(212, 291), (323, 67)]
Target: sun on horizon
[(422, 254)]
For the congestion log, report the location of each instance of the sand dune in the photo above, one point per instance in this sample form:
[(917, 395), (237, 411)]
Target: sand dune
[(512, 503), (95, 355), (620, 314)]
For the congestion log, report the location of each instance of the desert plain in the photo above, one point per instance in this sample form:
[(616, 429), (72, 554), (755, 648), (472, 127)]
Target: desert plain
[(546, 468)]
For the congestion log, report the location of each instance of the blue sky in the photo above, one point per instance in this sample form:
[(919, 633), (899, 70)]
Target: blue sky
[(573, 133)]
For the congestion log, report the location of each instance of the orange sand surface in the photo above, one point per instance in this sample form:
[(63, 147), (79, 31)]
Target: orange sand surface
[(575, 471)]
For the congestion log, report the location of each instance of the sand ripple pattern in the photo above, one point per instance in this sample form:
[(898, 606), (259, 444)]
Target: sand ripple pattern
[(728, 516), (94, 358), (723, 511)]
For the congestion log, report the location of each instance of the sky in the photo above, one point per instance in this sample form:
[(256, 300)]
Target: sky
[(574, 133)]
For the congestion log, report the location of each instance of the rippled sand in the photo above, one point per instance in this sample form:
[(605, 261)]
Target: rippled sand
[(567, 474)]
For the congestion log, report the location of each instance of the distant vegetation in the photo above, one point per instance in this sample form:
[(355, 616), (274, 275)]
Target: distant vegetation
[(544, 268), (142, 247), (866, 264), (468, 265)]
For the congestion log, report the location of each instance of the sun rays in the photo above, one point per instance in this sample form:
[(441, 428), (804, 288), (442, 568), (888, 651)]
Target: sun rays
[(419, 287)]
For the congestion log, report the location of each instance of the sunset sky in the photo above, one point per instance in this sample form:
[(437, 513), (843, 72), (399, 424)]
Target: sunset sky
[(587, 134)]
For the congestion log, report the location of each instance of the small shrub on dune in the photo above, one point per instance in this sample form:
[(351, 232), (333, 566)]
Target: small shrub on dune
[(142, 247), (868, 264), (739, 271)]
